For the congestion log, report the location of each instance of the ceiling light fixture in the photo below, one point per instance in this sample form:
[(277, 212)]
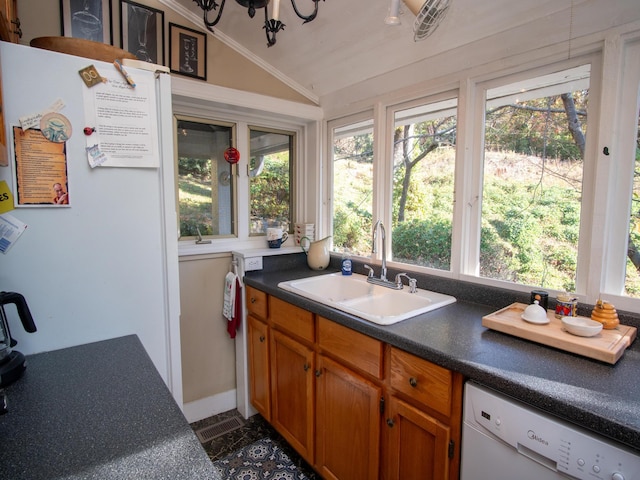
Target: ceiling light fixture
[(271, 25), (393, 17)]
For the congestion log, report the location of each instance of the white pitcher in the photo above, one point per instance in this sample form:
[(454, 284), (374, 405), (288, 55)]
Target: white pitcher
[(317, 252)]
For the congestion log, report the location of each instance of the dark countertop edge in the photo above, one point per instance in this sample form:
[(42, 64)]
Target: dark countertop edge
[(594, 419), (107, 414)]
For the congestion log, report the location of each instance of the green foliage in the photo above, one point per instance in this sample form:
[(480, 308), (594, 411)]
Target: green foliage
[(195, 207), (353, 188), (271, 192), (350, 229), (199, 168), (423, 242)]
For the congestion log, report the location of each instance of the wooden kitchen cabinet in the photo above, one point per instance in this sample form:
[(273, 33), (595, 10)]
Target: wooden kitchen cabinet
[(259, 374), (349, 404), (417, 445), (424, 415), (292, 392), (347, 423)]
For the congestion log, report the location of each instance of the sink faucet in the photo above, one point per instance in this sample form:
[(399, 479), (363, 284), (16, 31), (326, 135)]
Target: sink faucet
[(397, 285), (383, 271)]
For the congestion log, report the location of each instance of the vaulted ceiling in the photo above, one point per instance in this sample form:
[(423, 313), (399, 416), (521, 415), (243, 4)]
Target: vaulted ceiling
[(349, 43)]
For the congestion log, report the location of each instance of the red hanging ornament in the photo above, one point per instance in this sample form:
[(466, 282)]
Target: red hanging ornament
[(232, 155)]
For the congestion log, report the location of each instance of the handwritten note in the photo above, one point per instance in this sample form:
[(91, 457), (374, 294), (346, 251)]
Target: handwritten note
[(33, 120)]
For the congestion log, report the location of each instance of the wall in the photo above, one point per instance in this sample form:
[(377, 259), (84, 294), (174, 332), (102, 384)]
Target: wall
[(208, 352), (225, 67)]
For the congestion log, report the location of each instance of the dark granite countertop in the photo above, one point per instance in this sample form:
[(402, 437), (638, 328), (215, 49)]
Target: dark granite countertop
[(598, 396), (97, 411)]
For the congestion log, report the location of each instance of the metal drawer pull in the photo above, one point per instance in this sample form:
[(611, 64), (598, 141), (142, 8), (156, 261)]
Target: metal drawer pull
[(261, 338), (413, 382), (390, 422), (306, 367), (252, 300), (318, 373)]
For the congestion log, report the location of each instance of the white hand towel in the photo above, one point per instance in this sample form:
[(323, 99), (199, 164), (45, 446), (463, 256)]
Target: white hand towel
[(229, 295)]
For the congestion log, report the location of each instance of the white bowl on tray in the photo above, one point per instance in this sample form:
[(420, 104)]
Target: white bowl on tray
[(583, 327)]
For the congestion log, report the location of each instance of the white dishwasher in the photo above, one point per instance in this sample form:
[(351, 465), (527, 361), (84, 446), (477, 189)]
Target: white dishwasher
[(503, 439)]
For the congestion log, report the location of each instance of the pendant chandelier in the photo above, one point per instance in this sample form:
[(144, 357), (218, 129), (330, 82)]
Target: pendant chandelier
[(271, 25)]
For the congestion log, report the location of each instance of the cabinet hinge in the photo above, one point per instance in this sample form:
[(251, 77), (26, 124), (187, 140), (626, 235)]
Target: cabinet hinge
[(381, 405), (452, 447)]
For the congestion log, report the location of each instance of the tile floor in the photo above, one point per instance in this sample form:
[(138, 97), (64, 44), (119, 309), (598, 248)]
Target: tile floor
[(253, 429)]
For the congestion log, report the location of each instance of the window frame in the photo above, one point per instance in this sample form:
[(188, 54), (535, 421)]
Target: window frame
[(177, 117), (619, 120), (601, 252), (588, 180), (293, 169), (391, 111), (306, 125), (586, 221), (327, 220)]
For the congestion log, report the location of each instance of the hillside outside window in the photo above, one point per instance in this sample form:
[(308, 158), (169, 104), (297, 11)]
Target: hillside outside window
[(271, 164)]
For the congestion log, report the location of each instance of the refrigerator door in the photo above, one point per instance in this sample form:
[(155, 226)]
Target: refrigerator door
[(105, 265)]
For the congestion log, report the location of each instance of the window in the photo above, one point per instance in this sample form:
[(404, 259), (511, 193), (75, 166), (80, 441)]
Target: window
[(270, 172), (534, 141), (206, 182), (353, 187), (424, 158), (632, 282)]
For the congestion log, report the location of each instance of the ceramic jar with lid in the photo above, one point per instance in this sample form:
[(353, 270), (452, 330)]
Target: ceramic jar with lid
[(566, 305)]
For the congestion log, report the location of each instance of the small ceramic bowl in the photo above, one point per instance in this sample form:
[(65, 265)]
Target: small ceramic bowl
[(534, 313), (582, 327)]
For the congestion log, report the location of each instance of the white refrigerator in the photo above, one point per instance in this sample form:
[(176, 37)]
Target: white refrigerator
[(106, 264)]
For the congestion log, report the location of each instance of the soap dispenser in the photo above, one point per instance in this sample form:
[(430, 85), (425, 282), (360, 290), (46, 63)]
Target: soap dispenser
[(346, 263)]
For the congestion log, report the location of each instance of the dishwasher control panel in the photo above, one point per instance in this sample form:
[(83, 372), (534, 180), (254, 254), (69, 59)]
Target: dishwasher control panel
[(558, 445)]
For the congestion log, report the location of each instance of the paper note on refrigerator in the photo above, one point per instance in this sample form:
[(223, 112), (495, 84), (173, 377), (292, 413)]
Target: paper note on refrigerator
[(123, 120), (10, 230)]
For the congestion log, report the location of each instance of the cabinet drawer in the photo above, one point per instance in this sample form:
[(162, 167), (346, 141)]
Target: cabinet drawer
[(257, 302), (291, 319), (353, 348), (421, 380)]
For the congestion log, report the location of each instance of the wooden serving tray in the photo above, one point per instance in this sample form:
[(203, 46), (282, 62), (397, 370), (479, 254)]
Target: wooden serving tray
[(607, 346)]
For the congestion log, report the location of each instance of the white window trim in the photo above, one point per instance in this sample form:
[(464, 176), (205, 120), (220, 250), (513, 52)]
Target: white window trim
[(195, 99), (622, 82)]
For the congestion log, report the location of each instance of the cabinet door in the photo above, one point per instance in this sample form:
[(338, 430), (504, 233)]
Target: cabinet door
[(292, 380), (347, 423), (258, 340), (417, 445)]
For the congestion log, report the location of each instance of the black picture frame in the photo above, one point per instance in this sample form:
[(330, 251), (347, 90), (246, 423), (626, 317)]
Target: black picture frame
[(86, 19), (142, 31), (187, 52)]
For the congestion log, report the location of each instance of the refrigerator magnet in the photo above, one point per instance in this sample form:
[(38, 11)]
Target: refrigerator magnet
[(55, 127)]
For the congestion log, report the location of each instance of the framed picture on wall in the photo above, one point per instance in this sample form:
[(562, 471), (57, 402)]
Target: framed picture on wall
[(187, 52), (87, 19), (142, 31)]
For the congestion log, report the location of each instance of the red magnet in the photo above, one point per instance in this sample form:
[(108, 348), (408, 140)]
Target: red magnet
[(232, 155), (88, 130)]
